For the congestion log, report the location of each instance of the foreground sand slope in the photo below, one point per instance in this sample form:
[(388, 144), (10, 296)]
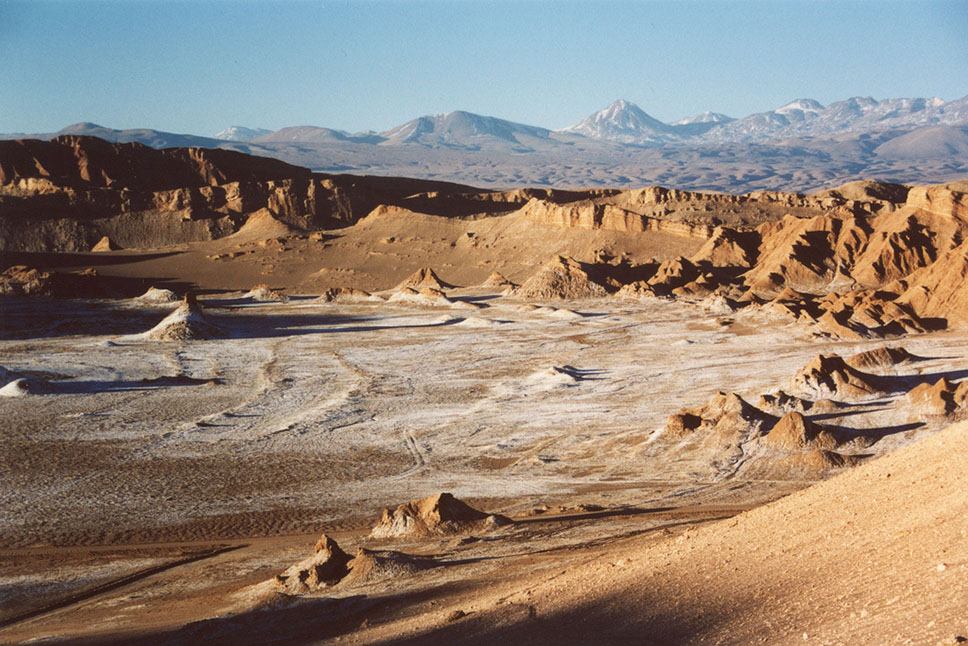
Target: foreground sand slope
[(876, 555)]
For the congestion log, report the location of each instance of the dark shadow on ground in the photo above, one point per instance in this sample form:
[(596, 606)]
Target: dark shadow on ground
[(35, 318), (47, 261)]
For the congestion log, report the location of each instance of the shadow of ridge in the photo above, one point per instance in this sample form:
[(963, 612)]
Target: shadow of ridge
[(252, 325), (293, 620), (38, 318), (51, 260), (902, 383), (877, 432), (96, 386)]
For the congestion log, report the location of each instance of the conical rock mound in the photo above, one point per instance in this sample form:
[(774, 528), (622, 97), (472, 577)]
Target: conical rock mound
[(105, 244), (561, 278), (496, 279), (816, 462), (262, 225), (424, 277), (157, 296), (795, 433), (14, 384), (188, 322), (434, 515)]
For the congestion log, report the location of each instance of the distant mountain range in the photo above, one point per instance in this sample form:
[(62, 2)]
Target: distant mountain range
[(798, 146), (627, 123)]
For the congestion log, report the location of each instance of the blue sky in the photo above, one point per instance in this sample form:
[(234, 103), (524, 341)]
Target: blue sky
[(200, 66)]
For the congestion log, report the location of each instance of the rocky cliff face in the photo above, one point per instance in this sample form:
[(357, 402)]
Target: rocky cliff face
[(67, 193)]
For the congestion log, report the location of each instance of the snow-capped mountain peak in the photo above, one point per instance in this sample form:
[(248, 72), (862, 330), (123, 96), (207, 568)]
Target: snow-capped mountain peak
[(241, 133), (802, 105), (624, 122)]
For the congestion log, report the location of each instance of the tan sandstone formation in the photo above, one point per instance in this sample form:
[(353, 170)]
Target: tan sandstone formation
[(561, 278), (434, 515)]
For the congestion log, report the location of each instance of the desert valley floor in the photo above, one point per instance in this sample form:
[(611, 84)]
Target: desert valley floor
[(306, 409), (310, 417)]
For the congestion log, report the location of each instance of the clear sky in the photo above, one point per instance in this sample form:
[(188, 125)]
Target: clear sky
[(197, 67)]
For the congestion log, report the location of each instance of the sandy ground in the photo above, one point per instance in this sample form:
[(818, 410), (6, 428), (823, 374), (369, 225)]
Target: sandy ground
[(376, 253), (154, 482), (310, 417)]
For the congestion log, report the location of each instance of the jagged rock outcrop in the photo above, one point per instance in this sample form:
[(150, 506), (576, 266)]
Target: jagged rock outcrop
[(330, 565), (867, 314), (729, 248), (20, 280), (941, 398), (142, 197), (780, 403), (829, 376), (327, 566), (885, 357), (439, 514), (938, 291), (674, 274), (724, 414), (808, 255)]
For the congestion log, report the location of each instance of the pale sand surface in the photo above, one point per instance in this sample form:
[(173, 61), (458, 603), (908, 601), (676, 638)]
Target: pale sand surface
[(325, 413)]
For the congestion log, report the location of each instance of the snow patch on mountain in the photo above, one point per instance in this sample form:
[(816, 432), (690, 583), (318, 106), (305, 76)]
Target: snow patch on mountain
[(703, 117), (623, 122), (241, 133)]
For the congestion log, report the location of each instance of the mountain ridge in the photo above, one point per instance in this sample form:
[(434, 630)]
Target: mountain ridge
[(800, 146)]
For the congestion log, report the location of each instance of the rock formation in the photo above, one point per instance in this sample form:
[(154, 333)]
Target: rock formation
[(142, 197), (795, 433), (726, 414), (155, 296), (188, 322), (561, 278), (885, 357), (941, 398), (425, 277), (371, 566), (327, 566), (264, 293), (346, 295), (105, 244), (497, 280), (434, 515), (829, 376)]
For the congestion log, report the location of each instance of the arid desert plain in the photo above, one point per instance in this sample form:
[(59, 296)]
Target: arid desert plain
[(244, 403)]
